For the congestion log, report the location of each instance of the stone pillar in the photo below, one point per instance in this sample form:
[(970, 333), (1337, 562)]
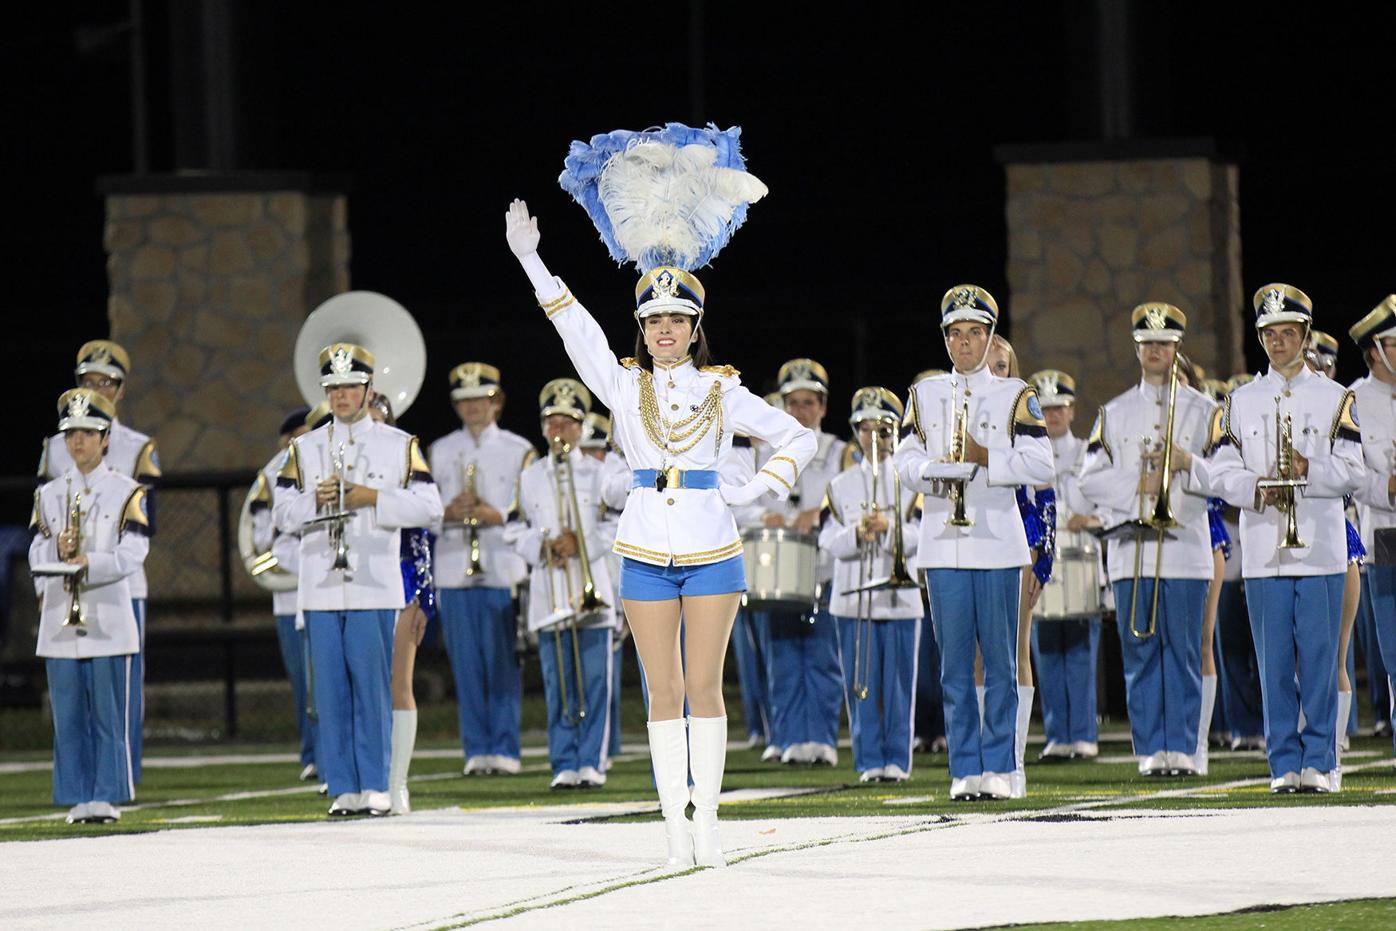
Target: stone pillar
[(211, 278), (1094, 230)]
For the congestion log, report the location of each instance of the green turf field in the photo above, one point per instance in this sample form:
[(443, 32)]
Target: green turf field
[(1364, 914), (247, 793)]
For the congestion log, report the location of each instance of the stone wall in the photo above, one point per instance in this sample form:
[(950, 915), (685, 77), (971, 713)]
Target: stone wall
[(208, 291), (1090, 239)]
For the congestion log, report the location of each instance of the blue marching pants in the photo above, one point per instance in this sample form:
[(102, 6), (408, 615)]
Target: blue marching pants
[(1065, 655), (353, 656), (137, 703), (295, 655), (969, 606), (91, 729), (1295, 621), (802, 671), (574, 743), (751, 673), (478, 624), (1381, 580), (1238, 670), (930, 707), (881, 723), (1378, 688), (1163, 673)]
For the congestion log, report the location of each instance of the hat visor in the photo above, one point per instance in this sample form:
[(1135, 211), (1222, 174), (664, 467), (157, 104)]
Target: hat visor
[(885, 416), (967, 315), (466, 394), (83, 423), (803, 384), (339, 381), (595, 442), (1158, 336), (574, 413), (1055, 400), (1283, 316), (667, 305), (100, 369)]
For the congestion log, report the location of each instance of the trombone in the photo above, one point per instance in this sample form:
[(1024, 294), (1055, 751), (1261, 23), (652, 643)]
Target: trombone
[(73, 583), (1284, 481), (1160, 519)]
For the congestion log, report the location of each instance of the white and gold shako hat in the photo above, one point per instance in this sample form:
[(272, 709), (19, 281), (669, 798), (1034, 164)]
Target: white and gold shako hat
[(596, 431), (875, 403), (84, 409), (1380, 323), (103, 357), (666, 290), (968, 302), (803, 375), (927, 373), (564, 396), (1214, 388), (1157, 322), (1281, 303), (474, 380), (345, 364), (1236, 381), (1324, 346), (1054, 387)]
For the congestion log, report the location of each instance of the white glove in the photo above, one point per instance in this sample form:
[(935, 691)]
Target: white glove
[(521, 230), (739, 496)]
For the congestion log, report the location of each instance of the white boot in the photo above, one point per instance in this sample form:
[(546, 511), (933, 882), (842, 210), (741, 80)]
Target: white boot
[(669, 755), (1335, 778), (707, 754), (403, 740), (1018, 779), (979, 694), (1204, 723)]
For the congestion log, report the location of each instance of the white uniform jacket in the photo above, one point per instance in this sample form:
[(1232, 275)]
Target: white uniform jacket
[(1004, 418), (1068, 459), (265, 536), (499, 456), (1325, 431), (846, 500), (811, 488), (1111, 474), (130, 453), (1376, 407), (677, 417), (536, 520), (380, 457), (115, 538)]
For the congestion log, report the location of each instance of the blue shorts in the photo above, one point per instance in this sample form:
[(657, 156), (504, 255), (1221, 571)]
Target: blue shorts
[(640, 581)]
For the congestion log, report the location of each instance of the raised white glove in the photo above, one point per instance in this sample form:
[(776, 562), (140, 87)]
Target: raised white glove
[(738, 496), (521, 229)]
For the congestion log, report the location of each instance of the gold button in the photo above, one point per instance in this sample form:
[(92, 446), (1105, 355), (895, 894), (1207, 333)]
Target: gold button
[(673, 407), (1287, 394), (670, 501)]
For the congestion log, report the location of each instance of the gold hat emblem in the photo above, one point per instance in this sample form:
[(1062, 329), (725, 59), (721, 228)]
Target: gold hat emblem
[(1273, 302), (101, 355), (340, 362), (470, 378), (965, 298), (78, 405), (869, 399), (1049, 384), (665, 285), (1156, 318), (799, 371), (565, 395)]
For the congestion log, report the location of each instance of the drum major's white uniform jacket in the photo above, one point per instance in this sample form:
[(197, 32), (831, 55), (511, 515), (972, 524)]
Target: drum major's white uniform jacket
[(683, 417), (1326, 432), (537, 519), (847, 499), (499, 457), (1111, 474), (115, 539), (1376, 408), (380, 457), (130, 453), (1004, 418), (811, 487)]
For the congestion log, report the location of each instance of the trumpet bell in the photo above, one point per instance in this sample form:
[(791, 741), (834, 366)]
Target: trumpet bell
[(379, 324)]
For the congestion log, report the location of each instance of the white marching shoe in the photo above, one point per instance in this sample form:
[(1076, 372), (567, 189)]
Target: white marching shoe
[(346, 804), (404, 738), (79, 813), (964, 788), (102, 813), (707, 758), (375, 804), (308, 773), (669, 756), (997, 786)]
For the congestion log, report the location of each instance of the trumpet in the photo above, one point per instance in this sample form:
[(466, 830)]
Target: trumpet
[(1160, 520), (472, 525), (73, 583), (1285, 481), (956, 486), (338, 540)]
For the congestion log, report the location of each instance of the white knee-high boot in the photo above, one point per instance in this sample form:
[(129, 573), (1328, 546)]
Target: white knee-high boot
[(979, 696), (404, 738), (1335, 778), (707, 752), (1018, 780), (669, 755), (1204, 723)]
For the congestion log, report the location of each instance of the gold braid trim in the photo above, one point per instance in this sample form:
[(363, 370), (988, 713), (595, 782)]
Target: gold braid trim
[(688, 432), (777, 478)]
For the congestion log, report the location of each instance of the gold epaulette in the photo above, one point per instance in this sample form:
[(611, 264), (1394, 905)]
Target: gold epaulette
[(828, 505), (917, 506), (417, 468), (37, 524), (1027, 414), (261, 494), (147, 463), (290, 474), (1228, 426), (134, 516), (912, 418), (629, 362), (1097, 438), (528, 458), (850, 456), (726, 371), (1345, 425)]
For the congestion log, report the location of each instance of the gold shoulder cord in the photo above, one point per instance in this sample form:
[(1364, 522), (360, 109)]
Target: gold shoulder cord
[(689, 431)]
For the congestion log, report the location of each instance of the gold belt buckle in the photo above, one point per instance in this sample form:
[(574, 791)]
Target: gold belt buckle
[(673, 477)]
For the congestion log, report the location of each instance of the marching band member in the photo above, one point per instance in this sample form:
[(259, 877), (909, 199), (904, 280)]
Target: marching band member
[(974, 437), (1292, 426), (930, 707), (1064, 651), (477, 469), (1160, 579), (749, 652), (674, 416), (802, 649), (94, 518), (880, 674), (290, 629), (596, 443), (1375, 336), (373, 481), (104, 367), (561, 519)]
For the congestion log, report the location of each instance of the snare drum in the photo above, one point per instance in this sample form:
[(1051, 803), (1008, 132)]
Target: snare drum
[(781, 568), (1074, 589)]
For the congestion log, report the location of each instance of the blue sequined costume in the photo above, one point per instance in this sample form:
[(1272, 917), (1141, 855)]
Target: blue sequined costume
[(417, 582)]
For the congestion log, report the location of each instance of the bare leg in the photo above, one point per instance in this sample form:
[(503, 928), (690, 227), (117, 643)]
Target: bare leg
[(1209, 615), (655, 627), (707, 628), (405, 636), (1352, 591), (1025, 593)]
